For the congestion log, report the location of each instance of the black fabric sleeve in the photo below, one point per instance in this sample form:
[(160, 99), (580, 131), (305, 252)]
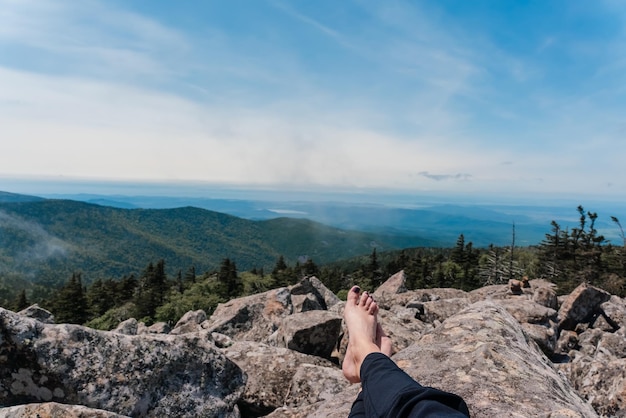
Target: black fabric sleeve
[(358, 407), (390, 392)]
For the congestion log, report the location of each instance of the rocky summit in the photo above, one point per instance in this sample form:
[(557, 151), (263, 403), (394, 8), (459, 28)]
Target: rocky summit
[(509, 350)]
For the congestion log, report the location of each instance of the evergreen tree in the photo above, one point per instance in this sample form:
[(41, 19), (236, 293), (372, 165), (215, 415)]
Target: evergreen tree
[(69, 304), (190, 277), (100, 296), (458, 252), (281, 273), (309, 269), (151, 291), (21, 302), (372, 270), (230, 283), (125, 290)]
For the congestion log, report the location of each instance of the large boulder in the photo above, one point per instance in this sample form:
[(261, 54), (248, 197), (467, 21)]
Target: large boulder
[(55, 410), (148, 375), (413, 297), (128, 327), (494, 291), (336, 407), (189, 322), (270, 371), (600, 379), (312, 332), (483, 355), (440, 310), (311, 384), (314, 288), (615, 311), (308, 302), (546, 296), (581, 306), (37, 312), (251, 318), (392, 286), (527, 311)]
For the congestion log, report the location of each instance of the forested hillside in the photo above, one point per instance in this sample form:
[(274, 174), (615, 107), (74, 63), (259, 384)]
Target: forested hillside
[(43, 242)]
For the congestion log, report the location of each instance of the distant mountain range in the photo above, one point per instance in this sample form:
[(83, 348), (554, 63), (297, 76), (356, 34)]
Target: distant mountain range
[(482, 224), (46, 240)]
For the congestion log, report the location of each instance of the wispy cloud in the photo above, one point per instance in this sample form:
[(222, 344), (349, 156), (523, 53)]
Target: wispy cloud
[(443, 177), (368, 95), (44, 245)]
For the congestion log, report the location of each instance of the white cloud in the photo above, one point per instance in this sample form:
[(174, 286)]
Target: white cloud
[(121, 95)]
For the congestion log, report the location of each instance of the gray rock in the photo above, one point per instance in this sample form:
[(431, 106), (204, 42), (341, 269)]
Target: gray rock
[(568, 341), (545, 335), (221, 340), (55, 410), (613, 344), (601, 380), (290, 412), (304, 303), (443, 309), (581, 305), (312, 332), (483, 355), (150, 375), (314, 287), (402, 332), (615, 310), (589, 340), (270, 371), (128, 327), (546, 296), (407, 315), (495, 291), (527, 311), (37, 312), (336, 407), (392, 286), (190, 322), (418, 296), (312, 383), (158, 328), (251, 318)]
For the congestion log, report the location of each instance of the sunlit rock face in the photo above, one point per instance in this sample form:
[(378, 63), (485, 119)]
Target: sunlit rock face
[(148, 375), (508, 353)]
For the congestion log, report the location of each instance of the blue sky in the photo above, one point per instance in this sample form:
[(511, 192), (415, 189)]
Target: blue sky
[(516, 98)]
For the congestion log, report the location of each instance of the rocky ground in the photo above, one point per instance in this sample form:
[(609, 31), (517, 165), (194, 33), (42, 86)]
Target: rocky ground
[(509, 350)]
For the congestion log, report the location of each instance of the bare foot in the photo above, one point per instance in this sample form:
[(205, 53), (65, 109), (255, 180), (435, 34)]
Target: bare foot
[(348, 366), (366, 335)]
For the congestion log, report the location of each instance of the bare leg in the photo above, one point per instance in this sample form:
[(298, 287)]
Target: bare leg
[(366, 335)]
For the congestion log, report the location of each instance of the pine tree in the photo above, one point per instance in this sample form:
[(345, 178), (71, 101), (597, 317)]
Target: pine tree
[(230, 282), (21, 302), (309, 268), (151, 291), (100, 296), (190, 277), (281, 273), (458, 252), (69, 304), (372, 270)]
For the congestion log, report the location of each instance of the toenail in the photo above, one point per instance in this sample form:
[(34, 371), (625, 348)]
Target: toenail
[(356, 289)]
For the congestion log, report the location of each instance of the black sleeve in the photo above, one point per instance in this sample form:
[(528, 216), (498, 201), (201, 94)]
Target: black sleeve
[(390, 392)]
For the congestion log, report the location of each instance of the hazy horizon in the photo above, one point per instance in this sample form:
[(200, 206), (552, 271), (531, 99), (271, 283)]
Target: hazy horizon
[(50, 187)]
